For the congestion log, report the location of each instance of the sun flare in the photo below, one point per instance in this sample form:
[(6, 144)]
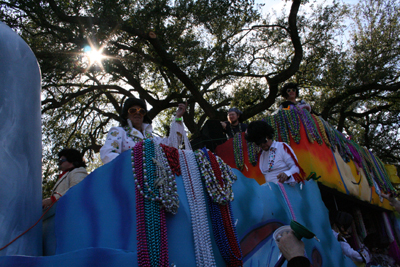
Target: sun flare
[(93, 55)]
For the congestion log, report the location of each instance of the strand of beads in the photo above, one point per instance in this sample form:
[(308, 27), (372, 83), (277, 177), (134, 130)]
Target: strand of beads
[(272, 122), (374, 169), (223, 223), (382, 169), (219, 231), (194, 192), (292, 120), (322, 130), (280, 119), (371, 163), (151, 222), (267, 120), (152, 208), (238, 150), (164, 257), (253, 150), (207, 252), (187, 182), (311, 126), (296, 124), (367, 158), (173, 158), (330, 133), (378, 173), (314, 129), (137, 168), (165, 182), (226, 170), (219, 191), (344, 150), (305, 122), (165, 190), (356, 156), (341, 148)]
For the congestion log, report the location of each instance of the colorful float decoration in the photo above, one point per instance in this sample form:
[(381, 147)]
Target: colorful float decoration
[(324, 153)]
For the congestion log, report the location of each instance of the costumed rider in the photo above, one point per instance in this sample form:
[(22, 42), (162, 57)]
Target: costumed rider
[(341, 229), (72, 167), (278, 162), (290, 91), (136, 126), (233, 125)]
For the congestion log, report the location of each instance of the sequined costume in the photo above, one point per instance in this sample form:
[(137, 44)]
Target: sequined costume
[(120, 139)]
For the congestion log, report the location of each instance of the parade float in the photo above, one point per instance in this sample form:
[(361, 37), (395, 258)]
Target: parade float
[(158, 206)]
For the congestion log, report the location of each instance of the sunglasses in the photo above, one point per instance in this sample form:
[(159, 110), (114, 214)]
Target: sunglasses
[(290, 90), (141, 111), (61, 161)]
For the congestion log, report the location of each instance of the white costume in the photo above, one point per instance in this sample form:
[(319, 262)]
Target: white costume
[(362, 256), (68, 180), (119, 140), (275, 161)]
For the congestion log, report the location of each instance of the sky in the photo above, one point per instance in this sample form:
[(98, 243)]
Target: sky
[(278, 4)]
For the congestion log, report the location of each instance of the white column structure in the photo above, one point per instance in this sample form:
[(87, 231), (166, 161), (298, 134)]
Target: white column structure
[(20, 146)]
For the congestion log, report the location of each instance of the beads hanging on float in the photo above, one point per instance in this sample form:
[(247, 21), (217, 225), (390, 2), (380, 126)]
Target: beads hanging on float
[(312, 126), (283, 129), (238, 150), (317, 129), (198, 209), (164, 188), (156, 193), (151, 224), (253, 151), (293, 122), (321, 128), (219, 199), (220, 191)]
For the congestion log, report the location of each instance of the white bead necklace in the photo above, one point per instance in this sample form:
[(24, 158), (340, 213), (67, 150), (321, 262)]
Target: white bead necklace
[(194, 191)]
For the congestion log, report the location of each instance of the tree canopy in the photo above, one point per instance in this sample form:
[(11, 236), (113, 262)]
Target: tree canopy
[(355, 85), (214, 54)]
